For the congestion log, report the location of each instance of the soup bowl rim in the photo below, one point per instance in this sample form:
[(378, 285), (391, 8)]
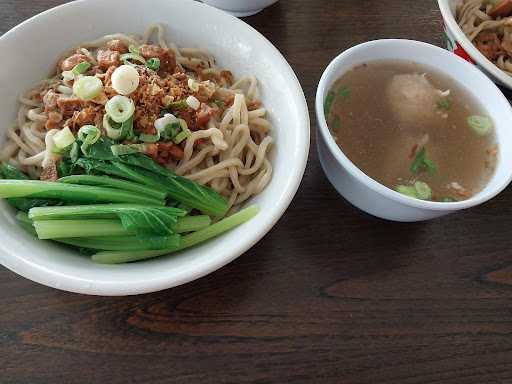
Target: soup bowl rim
[(324, 86)]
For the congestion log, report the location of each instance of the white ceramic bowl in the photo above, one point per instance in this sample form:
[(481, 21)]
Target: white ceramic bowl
[(458, 43), (34, 47), (366, 193), (241, 8)]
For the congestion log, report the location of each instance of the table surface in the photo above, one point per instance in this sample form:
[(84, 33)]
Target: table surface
[(330, 295)]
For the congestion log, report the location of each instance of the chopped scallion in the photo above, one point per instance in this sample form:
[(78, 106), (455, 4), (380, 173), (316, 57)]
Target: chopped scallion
[(422, 162), (407, 190), (153, 63), (423, 190), (63, 138), (149, 138), (481, 125), (81, 68), (87, 87), (134, 49), (444, 104), (134, 57), (120, 108)]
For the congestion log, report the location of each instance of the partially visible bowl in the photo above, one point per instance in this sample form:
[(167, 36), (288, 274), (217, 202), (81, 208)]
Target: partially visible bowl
[(34, 47), (373, 197), (241, 8), (458, 43)]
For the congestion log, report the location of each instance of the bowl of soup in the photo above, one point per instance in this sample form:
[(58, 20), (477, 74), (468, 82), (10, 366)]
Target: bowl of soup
[(410, 132)]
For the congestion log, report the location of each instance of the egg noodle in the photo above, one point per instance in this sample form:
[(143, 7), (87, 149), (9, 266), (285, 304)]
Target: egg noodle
[(473, 16), (229, 154)]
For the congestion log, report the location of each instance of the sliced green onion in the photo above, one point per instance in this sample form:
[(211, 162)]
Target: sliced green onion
[(134, 49), (81, 68), (481, 125), (113, 129), (153, 63), (127, 149), (149, 138), (132, 56), (73, 154), (87, 87), (422, 162), (184, 134), (444, 104), (89, 135), (180, 104), (116, 131), (407, 190), (63, 138), (449, 200), (120, 108), (171, 131), (423, 191)]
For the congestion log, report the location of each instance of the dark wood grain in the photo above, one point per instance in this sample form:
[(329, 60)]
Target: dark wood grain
[(330, 295)]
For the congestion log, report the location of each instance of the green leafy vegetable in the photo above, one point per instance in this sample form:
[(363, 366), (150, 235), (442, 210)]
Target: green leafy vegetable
[(7, 171), (186, 241), (124, 243), (179, 188), (101, 150), (134, 218), (70, 192), (422, 163), (104, 181)]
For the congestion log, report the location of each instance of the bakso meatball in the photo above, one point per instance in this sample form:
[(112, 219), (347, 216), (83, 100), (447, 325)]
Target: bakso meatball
[(413, 99)]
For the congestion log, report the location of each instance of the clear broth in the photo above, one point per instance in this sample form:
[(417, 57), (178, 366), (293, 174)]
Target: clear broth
[(367, 120)]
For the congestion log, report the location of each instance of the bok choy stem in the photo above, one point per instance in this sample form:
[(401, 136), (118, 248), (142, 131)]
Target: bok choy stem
[(71, 193), (117, 257), (105, 181)]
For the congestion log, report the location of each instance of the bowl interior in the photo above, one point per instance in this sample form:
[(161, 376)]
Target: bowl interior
[(467, 76), (237, 47)]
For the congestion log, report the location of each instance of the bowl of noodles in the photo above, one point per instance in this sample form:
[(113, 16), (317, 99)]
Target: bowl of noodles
[(480, 31), (137, 124)]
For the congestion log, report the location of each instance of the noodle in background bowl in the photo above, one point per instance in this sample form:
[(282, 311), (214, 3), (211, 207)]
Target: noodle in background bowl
[(34, 47), (458, 43)]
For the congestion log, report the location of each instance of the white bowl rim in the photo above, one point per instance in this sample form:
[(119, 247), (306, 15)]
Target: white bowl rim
[(469, 47), (367, 180), (40, 274)]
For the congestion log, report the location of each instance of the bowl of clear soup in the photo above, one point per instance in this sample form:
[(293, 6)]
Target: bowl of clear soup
[(410, 132)]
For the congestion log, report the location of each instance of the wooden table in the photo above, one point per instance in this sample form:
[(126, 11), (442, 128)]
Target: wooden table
[(330, 295)]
